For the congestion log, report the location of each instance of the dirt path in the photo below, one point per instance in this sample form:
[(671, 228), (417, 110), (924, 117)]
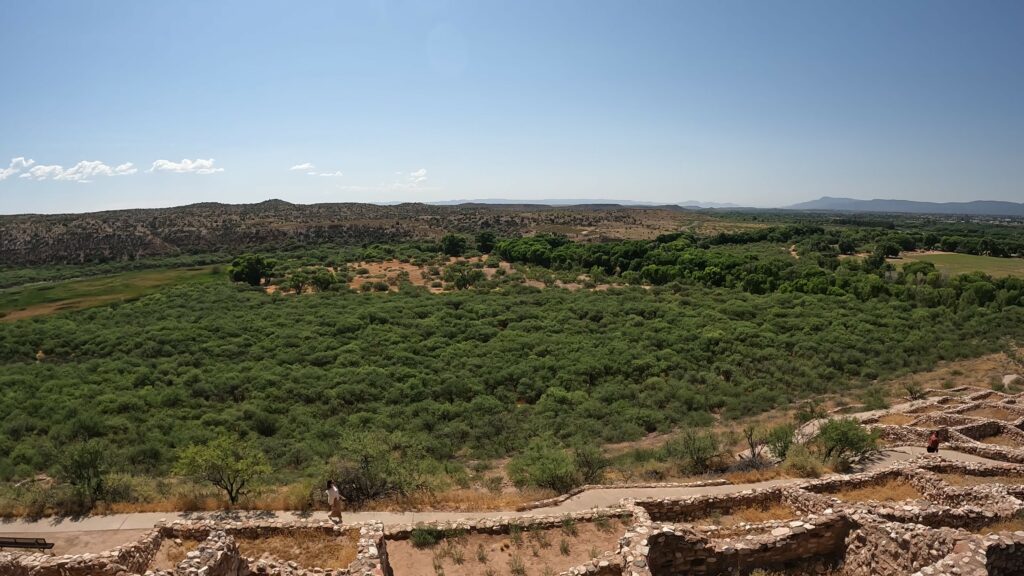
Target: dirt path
[(97, 533)]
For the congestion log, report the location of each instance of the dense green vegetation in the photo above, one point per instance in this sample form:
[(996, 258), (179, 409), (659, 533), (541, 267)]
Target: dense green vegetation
[(955, 264), (87, 292), (699, 330), (714, 262), (472, 372)]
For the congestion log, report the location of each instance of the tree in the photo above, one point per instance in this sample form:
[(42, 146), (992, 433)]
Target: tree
[(485, 241), (694, 450), (590, 463), (376, 465), (844, 438), (779, 440), (755, 444), (297, 281), (251, 269), (323, 278), (227, 462), (83, 465), (454, 244), (463, 275)]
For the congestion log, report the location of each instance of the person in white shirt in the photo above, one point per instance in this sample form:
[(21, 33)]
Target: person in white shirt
[(334, 499)]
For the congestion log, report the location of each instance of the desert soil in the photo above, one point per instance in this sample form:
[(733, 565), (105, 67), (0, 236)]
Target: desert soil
[(171, 553), (539, 555), (84, 542)]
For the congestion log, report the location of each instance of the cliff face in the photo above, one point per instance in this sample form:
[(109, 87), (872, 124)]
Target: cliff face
[(34, 239)]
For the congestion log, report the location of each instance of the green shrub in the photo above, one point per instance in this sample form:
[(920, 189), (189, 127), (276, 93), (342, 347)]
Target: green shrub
[(424, 537), (694, 452), (546, 465), (376, 466), (844, 439), (915, 391), (779, 439), (800, 462), (874, 398)]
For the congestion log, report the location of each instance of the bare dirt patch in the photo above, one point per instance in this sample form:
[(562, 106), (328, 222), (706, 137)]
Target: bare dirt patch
[(84, 542), (969, 480), (308, 548), (896, 419), (992, 413), (932, 408), (972, 372), (891, 490), (1001, 440), (553, 550), (171, 552)]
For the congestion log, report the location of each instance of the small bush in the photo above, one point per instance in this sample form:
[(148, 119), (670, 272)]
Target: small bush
[(569, 526), (874, 399), (516, 566), (694, 451), (915, 391), (800, 462), (425, 537), (546, 465)]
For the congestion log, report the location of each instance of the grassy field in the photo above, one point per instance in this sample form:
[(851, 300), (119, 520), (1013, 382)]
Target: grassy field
[(53, 297), (961, 263)]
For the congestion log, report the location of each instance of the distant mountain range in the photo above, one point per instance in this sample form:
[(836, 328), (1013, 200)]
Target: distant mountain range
[(583, 202), (974, 208)]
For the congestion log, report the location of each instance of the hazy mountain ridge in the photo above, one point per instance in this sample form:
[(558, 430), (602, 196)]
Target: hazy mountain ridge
[(972, 208)]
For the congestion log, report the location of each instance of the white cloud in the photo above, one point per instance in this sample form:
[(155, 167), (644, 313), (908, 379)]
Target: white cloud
[(415, 181), (308, 168), (418, 176), (84, 171), (186, 166), (17, 165)]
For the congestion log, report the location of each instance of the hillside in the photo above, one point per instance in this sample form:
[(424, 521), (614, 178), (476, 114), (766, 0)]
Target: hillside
[(32, 239), (974, 208)]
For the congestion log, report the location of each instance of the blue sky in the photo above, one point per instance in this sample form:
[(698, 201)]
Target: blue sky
[(114, 104)]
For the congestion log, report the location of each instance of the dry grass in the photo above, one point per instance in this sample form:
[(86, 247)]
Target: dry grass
[(968, 480), (461, 500), (1001, 440), (752, 514), (1008, 525), (295, 497), (992, 412), (171, 553), (891, 490), (968, 372), (752, 476), (931, 408), (308, 548), (538, 552), (896, 419)]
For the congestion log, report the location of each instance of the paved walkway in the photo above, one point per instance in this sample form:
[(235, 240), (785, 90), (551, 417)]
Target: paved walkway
[(71, 535)]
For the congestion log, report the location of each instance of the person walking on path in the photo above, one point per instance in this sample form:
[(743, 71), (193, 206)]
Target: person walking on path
[(334, 499), (933, 442)]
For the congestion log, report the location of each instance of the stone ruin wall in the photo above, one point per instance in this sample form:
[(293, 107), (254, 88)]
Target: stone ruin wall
[(680, 550)]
